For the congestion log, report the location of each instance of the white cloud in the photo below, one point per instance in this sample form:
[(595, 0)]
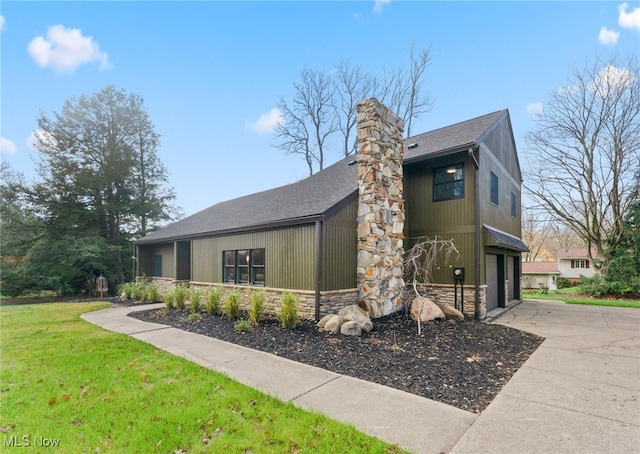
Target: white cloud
[(379, 4), (612, 79), (267, 121), (535, 109), (2, 23), (65, 49), (43, 136), (628, 20), (7, 146), (608, 37)]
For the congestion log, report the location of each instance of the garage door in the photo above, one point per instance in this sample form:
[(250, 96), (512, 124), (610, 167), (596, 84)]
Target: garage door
[(495, 281)]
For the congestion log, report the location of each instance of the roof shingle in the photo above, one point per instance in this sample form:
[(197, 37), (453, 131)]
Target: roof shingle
[(310, 198)]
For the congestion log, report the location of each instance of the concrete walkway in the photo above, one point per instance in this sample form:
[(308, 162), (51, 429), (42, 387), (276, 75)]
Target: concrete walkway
[(579, 392)]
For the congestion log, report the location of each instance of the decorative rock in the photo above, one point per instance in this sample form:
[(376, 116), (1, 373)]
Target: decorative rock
[(351, 328), (333, 324), (323, 321), (355, 314), (451, 313), (423, 309)]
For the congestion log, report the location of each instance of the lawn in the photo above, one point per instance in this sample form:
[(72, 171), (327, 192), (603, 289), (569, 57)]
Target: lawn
[(70, 384), (569, 296)]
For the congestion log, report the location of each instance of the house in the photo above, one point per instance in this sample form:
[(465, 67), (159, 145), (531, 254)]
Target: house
[(540, 275), (334, 238), (574, 263), (571, 264)]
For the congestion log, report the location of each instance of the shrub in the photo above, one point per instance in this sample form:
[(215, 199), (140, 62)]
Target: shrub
[(180, 295), (137, 291), (195, 296), (169, 299), (288, 311), (151, 293), (231, 308), (257, 308), (194, 317), (242, 326), (126, 290), (563, 282), (213, 300)]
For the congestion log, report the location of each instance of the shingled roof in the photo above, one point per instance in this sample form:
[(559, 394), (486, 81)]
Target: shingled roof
[(311, 198)]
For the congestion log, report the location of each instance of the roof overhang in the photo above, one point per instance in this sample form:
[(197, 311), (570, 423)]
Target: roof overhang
[(503, 240)]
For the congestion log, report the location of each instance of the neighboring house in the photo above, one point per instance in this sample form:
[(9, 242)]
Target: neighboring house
[(574, 262), (460, 182), (571, 264), (540, 275)]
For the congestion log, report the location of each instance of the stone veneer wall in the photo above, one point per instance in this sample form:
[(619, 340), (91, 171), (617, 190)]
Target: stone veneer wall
[(380, 208), (445, 294), (330, 301)]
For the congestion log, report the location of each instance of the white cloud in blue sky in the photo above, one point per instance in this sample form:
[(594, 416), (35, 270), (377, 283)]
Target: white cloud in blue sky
[(2, 24), (628, 19), (7, 146), (64, 49), (379, 4), (535, 109), (267, 121), (608, 37)]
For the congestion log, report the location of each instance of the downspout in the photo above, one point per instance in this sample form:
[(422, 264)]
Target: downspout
[(318, 278), (476, 216)]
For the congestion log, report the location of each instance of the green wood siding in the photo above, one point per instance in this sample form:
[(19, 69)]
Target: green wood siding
[(289, 256), (449, 219), (497, 155), (339, 249)]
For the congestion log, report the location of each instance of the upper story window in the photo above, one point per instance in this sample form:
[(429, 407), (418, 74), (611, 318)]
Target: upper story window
[(495, 199), (579, 263), (514, 205), (448, 182), (243, 266)]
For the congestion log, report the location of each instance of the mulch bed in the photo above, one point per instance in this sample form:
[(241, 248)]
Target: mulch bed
[(463, 364)]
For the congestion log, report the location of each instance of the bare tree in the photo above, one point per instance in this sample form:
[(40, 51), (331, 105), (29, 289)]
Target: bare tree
[(584, 150), (403, 91), (309, 119), (323, 106), (351, 85)]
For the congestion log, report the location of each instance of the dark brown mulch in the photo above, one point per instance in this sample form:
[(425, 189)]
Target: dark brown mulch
[(463, 364)]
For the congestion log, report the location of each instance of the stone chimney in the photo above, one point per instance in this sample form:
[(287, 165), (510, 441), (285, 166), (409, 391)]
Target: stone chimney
[(380, 208)]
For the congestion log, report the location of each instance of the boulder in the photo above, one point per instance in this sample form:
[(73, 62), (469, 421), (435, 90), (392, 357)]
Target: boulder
[(333, 324), (351, 328), (354, 314), (423, 309), (451, 312), (323, 321)]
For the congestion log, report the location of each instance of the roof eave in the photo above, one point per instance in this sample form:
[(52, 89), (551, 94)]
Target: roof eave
[(441, 153), (251, 228)]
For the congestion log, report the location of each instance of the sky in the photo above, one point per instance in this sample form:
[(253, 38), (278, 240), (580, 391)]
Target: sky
[(211, 72)]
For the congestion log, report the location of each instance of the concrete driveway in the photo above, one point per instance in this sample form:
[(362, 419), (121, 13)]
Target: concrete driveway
[(578, 393)]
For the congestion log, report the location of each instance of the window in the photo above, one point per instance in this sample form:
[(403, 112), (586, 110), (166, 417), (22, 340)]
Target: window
[(157, 265), (494, 189), (448, 182), (243, 266), (514, 205), (229, 265), (579, 263)]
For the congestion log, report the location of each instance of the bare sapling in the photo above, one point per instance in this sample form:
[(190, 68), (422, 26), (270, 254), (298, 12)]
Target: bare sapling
[(422, 259)]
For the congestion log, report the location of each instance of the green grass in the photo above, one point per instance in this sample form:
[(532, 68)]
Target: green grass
[(66, 380), (569, 296)]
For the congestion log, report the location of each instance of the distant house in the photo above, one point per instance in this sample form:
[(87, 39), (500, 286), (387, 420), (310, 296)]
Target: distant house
[(574, 262), (460, 182), (540, 275), (571, 264)]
